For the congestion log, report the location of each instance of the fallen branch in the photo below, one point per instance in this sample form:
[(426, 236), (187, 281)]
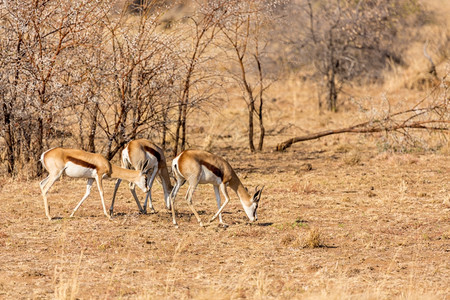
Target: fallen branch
[(362, 128), (433, 117)]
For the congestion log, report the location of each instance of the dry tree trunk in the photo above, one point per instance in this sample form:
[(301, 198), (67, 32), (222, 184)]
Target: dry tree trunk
[(262, 130), (93, 128)]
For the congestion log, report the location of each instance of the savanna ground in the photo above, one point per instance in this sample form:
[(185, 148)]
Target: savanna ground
[(339, 218)]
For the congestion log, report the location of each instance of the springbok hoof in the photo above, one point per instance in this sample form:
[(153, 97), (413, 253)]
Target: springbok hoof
[(224, 225)]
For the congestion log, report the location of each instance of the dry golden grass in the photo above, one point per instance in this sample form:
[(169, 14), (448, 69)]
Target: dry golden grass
[(383, 221), (338, 219), (314, 239)]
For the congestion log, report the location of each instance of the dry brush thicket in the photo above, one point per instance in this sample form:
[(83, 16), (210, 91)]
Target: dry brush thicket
[(95, 74)]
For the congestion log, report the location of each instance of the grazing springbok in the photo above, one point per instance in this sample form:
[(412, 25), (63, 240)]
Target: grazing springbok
[(201, 167), (82, 164), (140, 153)]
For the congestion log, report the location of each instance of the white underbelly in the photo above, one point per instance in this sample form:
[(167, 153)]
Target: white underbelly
[(74, 170), (152, 160), (208, 177)]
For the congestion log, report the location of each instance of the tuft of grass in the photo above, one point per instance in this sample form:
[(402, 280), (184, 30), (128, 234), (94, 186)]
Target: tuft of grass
[(344, 148), (308, 188), (352, 159), (288, 239), (314, 239)]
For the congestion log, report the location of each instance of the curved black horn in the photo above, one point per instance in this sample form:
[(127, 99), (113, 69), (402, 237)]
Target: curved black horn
[(258, 194)]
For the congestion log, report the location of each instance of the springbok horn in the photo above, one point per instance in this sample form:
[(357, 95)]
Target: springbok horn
[(260, 191)]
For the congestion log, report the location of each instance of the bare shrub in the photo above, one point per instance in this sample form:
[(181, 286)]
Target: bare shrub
[(37, 39), (81, 70), (346, 41), (429, 120), (137, 77), (245, 41), (197, 77)]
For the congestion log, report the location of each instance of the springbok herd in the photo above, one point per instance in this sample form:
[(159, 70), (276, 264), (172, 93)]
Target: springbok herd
[(142, 160)]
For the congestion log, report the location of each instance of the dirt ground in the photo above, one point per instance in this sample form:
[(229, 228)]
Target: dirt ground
[(339, 217), (336, 220)]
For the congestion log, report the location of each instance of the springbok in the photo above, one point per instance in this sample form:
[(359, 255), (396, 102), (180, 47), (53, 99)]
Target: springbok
[(201, 167), (81, 164), (140, 153)]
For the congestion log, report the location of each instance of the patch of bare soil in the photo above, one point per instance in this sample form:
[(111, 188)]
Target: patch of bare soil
[(336, 221)]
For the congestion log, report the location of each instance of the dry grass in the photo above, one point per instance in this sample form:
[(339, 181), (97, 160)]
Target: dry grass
[(392, 244), (314, 239), (338, 219)]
